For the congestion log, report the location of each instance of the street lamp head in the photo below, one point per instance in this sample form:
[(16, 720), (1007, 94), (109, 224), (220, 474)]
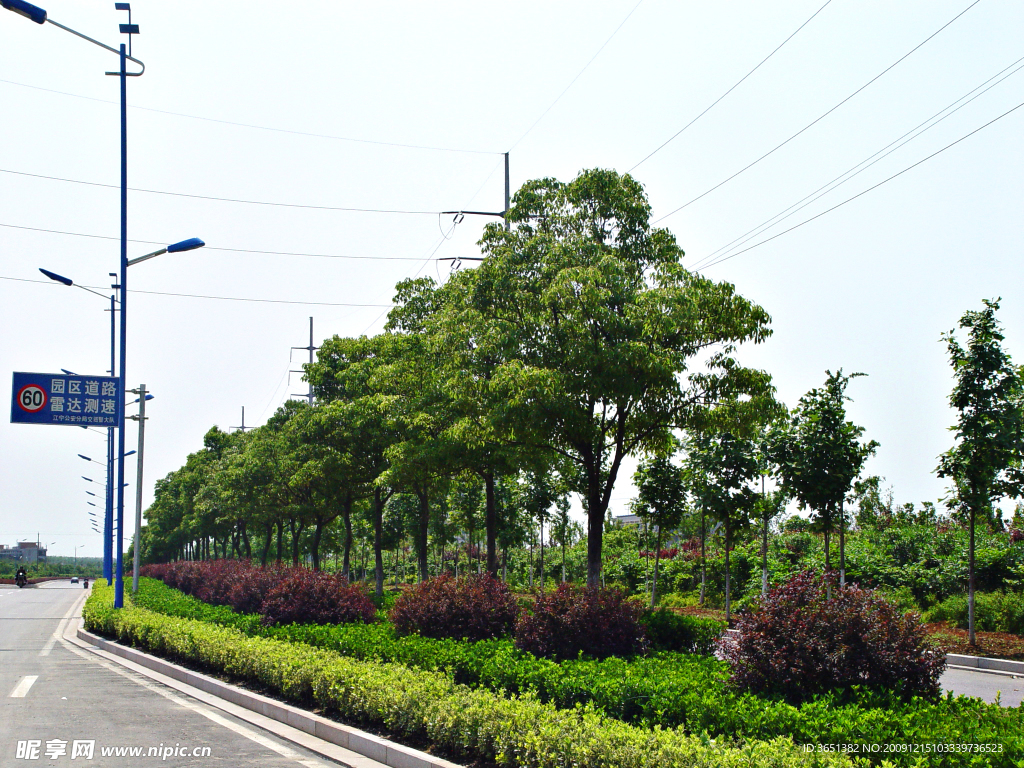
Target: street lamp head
[(53, 275), (129, 453), (87, 479), (29, 11), (84, 457), (186, 245)]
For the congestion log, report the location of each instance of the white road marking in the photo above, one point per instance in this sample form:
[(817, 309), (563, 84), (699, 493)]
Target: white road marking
[(59, 631), (22, 687), (263, 741)]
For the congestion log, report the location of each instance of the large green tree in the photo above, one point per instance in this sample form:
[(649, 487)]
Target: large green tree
[(819, 454), (985, 463), (349, 372), (592, 324)]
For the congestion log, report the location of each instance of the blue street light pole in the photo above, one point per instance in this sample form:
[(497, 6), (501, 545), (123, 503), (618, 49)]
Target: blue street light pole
[(39, 16), (180, 247)]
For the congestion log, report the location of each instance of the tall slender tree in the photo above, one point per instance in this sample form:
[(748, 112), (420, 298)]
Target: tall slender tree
[(725, 467), (819, 454), (661, 501), (985, 463)]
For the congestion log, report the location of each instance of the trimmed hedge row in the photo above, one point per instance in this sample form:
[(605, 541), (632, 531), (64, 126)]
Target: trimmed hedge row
[(668, 690), (429, 706), (657, 690)]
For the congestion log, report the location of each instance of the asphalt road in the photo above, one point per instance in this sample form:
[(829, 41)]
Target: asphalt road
[(984, 685), (55, 695)]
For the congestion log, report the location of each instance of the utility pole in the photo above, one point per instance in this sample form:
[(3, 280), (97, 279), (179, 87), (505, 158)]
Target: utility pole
[(243, 427), (311, 349), (137, 546), (500, 214), (508, 199)]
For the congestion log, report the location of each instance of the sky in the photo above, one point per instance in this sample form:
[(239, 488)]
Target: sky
[(293, 115)]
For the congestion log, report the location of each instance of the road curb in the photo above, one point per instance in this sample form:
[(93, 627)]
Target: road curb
[(360, 742)]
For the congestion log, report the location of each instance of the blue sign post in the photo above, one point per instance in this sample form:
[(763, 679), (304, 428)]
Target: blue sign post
[(71, 400)]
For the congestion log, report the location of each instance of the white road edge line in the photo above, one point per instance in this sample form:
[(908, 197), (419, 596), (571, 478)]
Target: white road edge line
[(58, 633), (281, 749), (22, 687)]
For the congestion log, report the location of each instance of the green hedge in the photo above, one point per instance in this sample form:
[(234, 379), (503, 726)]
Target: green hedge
[(422, 705), (667, 690), (993, 612), (640, 690)]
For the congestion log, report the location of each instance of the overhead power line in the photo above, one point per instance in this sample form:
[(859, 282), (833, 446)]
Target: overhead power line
[(819, 118), (262, 127), (734, 86), (217, 298), (578, 74), (220, 199), (215, 248), (862, 166), (869, 189)]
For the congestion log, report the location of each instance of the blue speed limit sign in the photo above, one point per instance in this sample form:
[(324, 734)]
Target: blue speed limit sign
[(65, 398)]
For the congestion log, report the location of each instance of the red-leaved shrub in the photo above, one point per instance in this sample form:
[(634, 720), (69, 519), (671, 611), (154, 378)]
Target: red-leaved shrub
[(311, 597), (251, 587), (280, 595), (797, 643), (573, 620), (470, 608)]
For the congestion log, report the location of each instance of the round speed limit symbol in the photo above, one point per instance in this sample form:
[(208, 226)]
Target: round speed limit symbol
[(32, 398)]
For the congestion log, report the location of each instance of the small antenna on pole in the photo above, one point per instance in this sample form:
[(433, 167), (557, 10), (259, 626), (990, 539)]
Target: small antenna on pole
[(311, 349)]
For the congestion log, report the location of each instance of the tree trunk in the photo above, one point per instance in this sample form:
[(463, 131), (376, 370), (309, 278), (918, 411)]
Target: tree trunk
[(491, 524), (842, 548), (378, 538), (531, 563), (564, 535), (828, 564), (267, 538), (764, 556), (595, 527), (728, 541), (542, 555), (657, 559), (317, 533), (280, 540), (422, 530), (764, 543), (246, 541), (971, 638), (346, 565), (703, 558), (296, 531)]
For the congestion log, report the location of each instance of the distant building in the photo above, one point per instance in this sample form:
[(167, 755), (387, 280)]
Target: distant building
[(25, 552), (626, 520)]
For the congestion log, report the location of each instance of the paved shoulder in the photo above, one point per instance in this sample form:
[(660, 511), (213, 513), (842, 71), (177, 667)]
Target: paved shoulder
[(63, 705)]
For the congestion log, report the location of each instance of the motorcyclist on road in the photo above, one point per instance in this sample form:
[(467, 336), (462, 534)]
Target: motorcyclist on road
[(21, 576)]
